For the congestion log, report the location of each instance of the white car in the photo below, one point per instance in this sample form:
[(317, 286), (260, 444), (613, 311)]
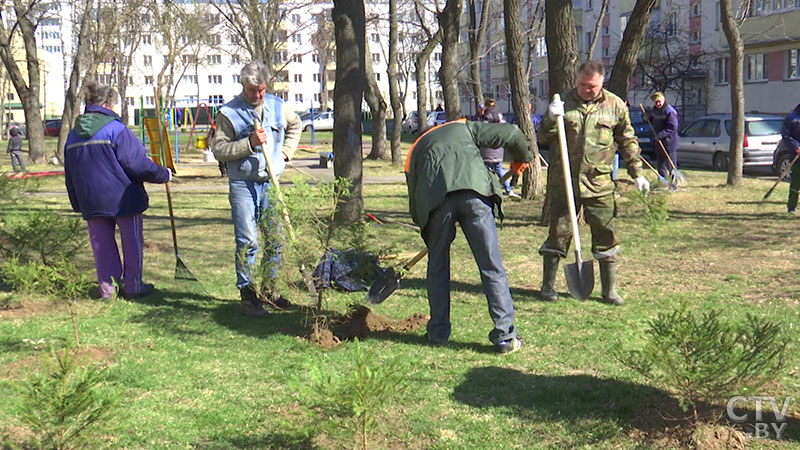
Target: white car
[(411, 123), (321, 122), (436, 118), (705, 142)]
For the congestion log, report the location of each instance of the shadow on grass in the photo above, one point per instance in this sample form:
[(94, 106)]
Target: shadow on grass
[(277, 440), (651, 412), (517, 293)]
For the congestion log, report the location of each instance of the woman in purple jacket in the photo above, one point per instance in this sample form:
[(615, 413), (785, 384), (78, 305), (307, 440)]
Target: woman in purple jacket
[(105, 167), (665, 122)]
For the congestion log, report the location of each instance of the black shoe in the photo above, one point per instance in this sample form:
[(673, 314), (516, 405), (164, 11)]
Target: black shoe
[(252, 309), (508, 346), (279, 302), (146, 290), (435, 343)]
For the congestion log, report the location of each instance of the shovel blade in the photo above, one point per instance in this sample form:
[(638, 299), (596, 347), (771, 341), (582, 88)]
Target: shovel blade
[(381, 289), (580, 279)]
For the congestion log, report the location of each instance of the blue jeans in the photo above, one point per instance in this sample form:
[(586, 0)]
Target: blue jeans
[(474, 213), (250, 208), (497, 168)]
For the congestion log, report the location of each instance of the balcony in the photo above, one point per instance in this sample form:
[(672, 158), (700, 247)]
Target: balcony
[(770, 28)]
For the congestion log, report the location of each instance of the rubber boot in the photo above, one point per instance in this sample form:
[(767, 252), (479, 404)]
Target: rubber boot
[(549, 271), (608, 279)]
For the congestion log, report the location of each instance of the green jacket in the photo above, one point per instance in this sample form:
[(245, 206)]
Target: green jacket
[(594, 131), (448, 158)]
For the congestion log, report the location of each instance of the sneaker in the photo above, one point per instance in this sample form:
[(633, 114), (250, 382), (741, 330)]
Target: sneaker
[(512, 194), (791, 212), (146, 290), (509, 345)]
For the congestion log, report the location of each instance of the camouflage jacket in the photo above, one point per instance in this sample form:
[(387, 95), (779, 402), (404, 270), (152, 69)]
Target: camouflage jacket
[(592, 131)]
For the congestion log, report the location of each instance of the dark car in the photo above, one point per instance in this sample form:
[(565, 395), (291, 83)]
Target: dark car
[(782, 157), (643, 133), (51, 127)]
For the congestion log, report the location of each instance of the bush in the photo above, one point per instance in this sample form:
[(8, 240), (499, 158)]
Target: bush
[(42, 236), (655, 207), (65, 406), (60, 279), (700, 359)]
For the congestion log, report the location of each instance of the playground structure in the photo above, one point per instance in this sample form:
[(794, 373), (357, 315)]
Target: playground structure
[(201, 119)]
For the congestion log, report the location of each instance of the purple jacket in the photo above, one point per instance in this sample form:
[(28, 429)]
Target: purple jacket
[(105, 166), (665, 122), (791, 128)]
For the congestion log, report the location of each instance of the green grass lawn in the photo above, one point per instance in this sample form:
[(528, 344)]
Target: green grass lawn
[(190, 372)]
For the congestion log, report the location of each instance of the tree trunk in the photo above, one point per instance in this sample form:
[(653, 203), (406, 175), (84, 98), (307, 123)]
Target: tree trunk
[(520, 98), (394, 95), (731, 29), (628, 52), (377, 107), (349, 29), (421, 75), (597, 26), (562, 58), (476, 33), (70, 97), (448, 72), (562, 46)]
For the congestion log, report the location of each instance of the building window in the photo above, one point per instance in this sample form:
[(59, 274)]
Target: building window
[(298, 78), (216, 99), (190, 79), (10, 96), (696, 36), (722, 70), (298, 98), (316, 77), (295, 18), (696, 9), (315, 57), (376, 57), (605, 52), (215, 79), (793, 63), (235, 78), (130, 101), (755, 67), (297, 38), (297, 58), (672, 24), (605, 30), (214, 39), (146, 39), (374, 37), (130, 81), (148, 80), (215, 59), (437, 56), (377, 76), (588, 40), (317, 97), (189, 59), (148, 60), (235, 59), (589, 5), (149, 101), (623, 23), (166, 58)]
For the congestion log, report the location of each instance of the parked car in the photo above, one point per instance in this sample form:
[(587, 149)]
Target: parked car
[(51, 127), (644, 134), (706, 141), (411, 123), (436, 118), (782, 156), (322, 122)]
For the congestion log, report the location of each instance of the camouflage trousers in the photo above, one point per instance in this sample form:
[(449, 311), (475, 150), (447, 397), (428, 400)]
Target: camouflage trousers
[(599, 213)]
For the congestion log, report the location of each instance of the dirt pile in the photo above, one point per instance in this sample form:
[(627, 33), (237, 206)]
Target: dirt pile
[(360, 322)]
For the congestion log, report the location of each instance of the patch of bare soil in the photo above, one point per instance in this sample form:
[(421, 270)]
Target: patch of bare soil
[(360, 322), (719, 437), (29, 309), (84, 355), (158, 245)]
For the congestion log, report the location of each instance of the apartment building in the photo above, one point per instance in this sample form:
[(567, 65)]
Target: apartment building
[(208, 71)]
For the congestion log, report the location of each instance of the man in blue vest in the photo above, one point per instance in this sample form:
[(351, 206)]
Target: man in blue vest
[(238, 144)]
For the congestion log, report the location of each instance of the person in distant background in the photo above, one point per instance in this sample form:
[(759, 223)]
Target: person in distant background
[(791, 136), (439, 107), (665, 122), (15, 149), (493, 157), (105, 166)]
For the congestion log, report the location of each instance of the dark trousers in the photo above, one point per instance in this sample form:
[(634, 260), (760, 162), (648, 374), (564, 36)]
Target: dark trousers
[(16, 160), (664, 168), (794, 187), (599, 213), (474, 213)]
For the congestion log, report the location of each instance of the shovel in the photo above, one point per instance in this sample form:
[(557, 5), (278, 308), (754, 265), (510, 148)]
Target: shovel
[(308, 279), (781, 177), (580, 274), (389, 280), (677, 176)]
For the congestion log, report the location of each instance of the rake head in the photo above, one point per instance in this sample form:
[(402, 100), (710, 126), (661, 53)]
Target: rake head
[(182, 272)]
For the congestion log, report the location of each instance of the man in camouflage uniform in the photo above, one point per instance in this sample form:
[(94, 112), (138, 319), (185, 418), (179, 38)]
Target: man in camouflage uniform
[(596, 121)]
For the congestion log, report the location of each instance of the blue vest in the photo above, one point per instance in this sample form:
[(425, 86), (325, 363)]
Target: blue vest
[(241, 115)]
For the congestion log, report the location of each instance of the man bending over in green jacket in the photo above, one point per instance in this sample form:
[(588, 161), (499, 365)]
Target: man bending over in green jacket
[(448, 183)]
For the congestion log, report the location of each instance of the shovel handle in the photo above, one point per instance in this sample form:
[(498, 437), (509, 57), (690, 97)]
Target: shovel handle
[(573, 216), (274, 181), (782, 176), (416, 259)]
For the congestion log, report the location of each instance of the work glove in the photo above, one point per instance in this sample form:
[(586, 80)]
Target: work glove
[(556, 108), (170, 175), (642, 184), (518, 167)]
